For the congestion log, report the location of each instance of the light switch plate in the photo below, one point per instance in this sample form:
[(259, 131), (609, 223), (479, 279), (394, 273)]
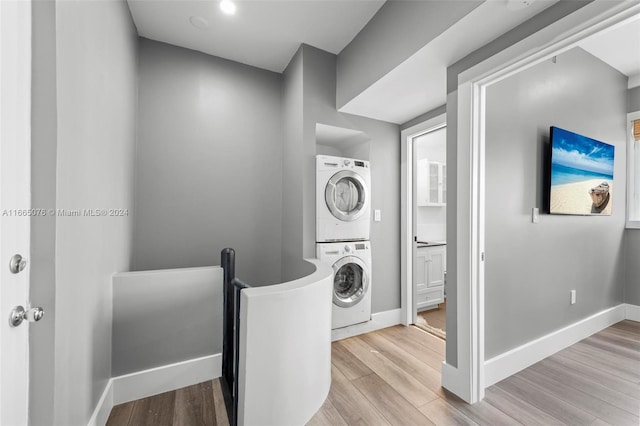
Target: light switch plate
[(376, 215), (535, 215)]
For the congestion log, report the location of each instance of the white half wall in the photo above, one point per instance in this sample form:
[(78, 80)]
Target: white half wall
[(285, 350)]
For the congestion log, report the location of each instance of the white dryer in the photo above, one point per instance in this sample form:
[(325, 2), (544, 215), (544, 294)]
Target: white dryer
[(351, 262), (343, 199)]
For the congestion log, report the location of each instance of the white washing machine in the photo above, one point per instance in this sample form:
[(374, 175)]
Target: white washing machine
[(351, 262), (343, 199)]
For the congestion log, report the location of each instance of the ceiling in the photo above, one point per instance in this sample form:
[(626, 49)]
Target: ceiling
[(262, 33), (267, 33), (620, 48), (418, 85)]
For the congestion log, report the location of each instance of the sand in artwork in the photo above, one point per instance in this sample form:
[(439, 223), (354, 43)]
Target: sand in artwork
[(574, 198)]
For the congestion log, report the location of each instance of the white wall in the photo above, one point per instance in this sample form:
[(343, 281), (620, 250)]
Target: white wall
[(96, 111), (285, 350), (632, 236)]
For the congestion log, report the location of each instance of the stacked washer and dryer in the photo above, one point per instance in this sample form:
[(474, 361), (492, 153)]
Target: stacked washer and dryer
[(343, 207)]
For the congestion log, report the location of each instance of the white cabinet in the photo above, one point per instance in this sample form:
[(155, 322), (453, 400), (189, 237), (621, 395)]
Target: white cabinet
[(430, 273), (431, 185)]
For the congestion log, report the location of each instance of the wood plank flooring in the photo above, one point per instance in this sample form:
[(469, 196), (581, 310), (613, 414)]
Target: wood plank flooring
[(197, 405), (392, 377), (436, 317)]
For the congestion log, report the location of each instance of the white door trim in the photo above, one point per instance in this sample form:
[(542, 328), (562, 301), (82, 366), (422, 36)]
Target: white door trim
[(407, 212), (469, 101), (15, 201)]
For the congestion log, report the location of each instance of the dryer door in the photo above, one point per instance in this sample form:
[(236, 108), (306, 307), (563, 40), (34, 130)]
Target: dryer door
[(350, 281), (346, 195)]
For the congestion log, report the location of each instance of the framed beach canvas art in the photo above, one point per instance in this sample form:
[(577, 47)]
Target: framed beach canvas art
[(581, 174)]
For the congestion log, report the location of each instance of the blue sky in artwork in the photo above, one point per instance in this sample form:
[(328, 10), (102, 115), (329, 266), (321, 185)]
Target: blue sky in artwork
[(580, 152)]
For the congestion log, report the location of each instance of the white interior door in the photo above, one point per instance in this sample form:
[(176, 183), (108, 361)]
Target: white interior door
[(15, 197)]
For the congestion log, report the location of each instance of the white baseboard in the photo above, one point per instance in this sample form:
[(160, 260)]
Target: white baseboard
[(632, 312), (141, 384), (509, 363), (378, 321), (455, 381), (103, 409)]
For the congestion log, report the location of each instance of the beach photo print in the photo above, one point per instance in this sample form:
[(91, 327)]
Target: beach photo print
[(581, 174)]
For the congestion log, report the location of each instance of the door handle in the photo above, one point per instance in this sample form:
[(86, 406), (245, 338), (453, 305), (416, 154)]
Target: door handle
[(19, 314)]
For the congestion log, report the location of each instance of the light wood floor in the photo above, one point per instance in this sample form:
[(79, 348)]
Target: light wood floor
[(392, 377), (436, 317)]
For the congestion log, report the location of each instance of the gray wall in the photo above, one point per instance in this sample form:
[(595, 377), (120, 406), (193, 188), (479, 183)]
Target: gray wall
[(292, 148), (96, 74), (209, 163), (164, 317), (451, 283), (319, 81), (632, 236), (43, 195), (521, 32), (530, 268), (633, 99), (397, 31)]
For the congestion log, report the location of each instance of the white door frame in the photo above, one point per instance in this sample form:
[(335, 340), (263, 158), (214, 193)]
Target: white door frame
[(466, 122), (408, 212), (15, 200)]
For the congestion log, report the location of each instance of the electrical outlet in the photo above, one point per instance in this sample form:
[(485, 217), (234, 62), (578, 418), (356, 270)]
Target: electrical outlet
[(573, 297)]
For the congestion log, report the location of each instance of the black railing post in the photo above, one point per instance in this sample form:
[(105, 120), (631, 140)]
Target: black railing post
[(227, 261), (230, 333)]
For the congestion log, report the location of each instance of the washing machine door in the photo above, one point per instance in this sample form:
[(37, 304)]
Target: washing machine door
[(350, 281), (346, 195)]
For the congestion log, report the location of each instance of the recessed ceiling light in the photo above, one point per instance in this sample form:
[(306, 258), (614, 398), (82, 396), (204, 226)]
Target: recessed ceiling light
[(228, 7), (199, 22)]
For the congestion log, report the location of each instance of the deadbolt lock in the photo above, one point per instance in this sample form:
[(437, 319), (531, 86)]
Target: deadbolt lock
[(17, 263)]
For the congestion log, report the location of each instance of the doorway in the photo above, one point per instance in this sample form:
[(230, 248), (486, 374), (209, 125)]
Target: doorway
[(423, 229), (470, 375), (429, 229)]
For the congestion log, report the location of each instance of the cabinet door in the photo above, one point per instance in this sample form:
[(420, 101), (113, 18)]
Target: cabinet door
[(421, 269), (435, 266), (431, 183), (434, 183)]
